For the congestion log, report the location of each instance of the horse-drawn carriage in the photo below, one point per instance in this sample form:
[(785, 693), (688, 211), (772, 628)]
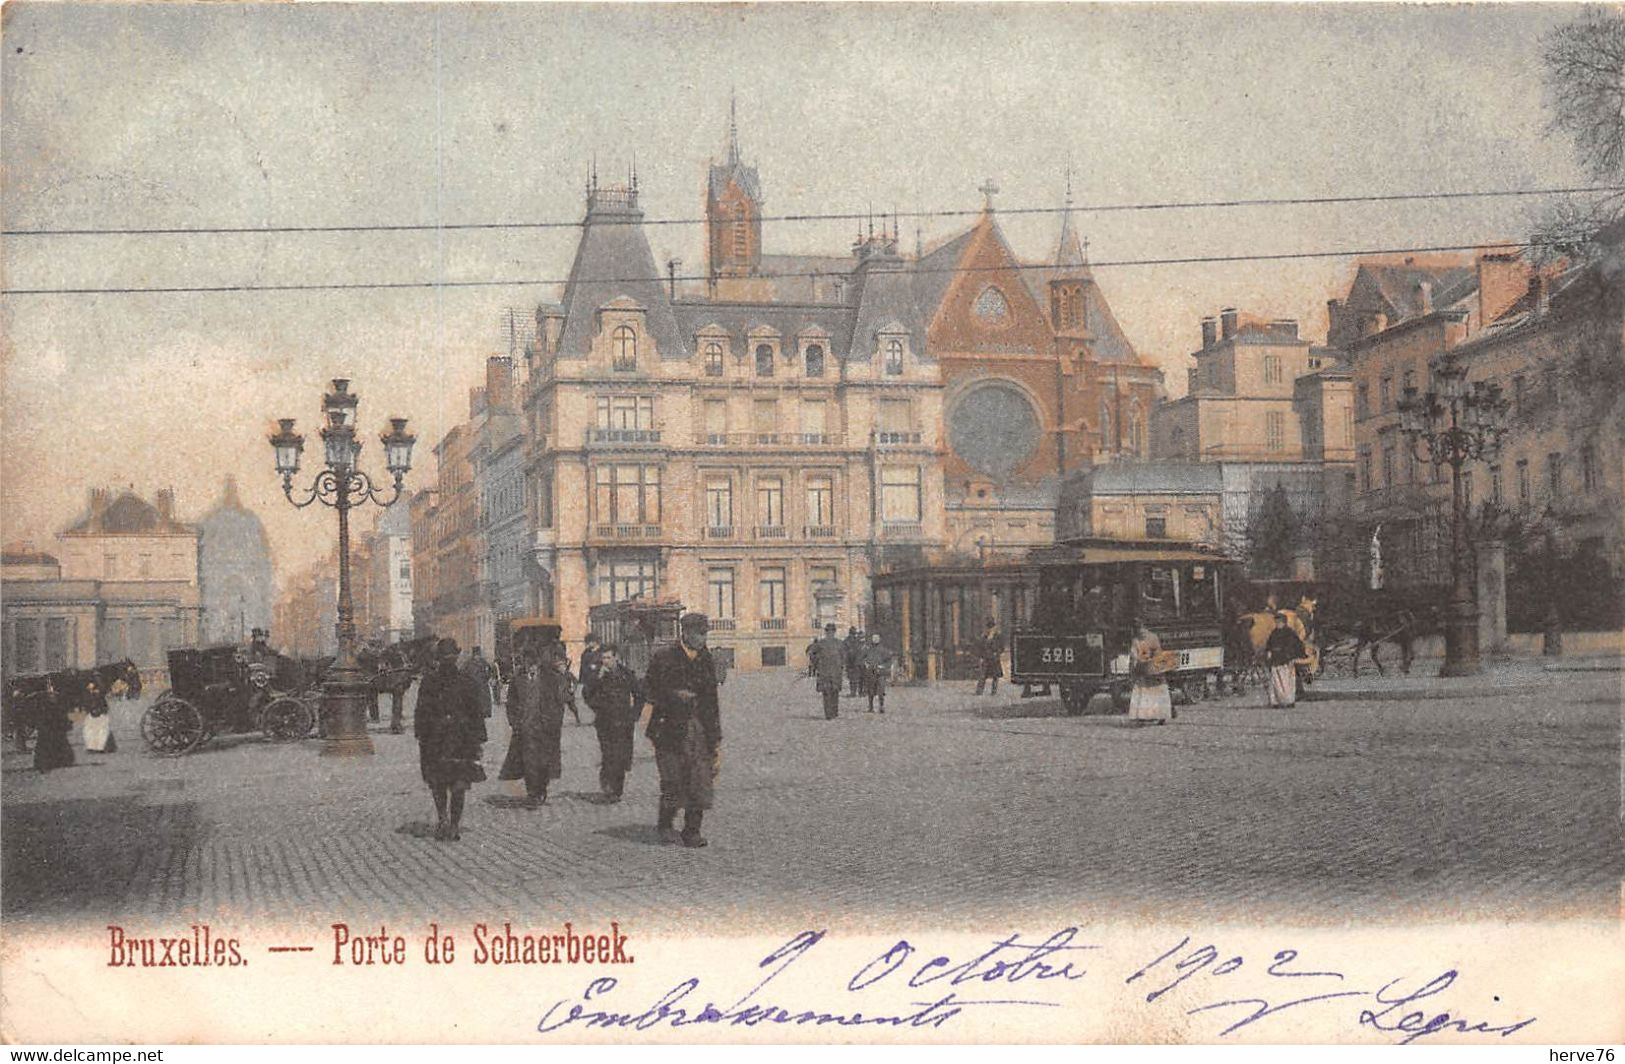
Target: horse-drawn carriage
[(27, 698), (1338, 623), (223, 690)]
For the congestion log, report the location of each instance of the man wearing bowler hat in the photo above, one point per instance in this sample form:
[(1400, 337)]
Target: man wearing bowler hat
[(685, 727), (831, 658)]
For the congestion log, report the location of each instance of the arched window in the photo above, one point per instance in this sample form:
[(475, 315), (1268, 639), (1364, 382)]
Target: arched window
[(1108, 439), (624, 342), (713, 359), (764, 360), (1136, 426), (815, 360), (991, 305), (894, 358)]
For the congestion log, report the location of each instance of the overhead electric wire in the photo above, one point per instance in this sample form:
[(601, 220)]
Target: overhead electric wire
[(844, 216), (527, 282)]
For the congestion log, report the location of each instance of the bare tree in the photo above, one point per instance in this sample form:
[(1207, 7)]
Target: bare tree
[(1585, 83), (1585, 92)]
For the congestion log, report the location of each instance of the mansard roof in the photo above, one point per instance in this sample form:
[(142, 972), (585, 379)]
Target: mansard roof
[(613, 261), (739, 319)]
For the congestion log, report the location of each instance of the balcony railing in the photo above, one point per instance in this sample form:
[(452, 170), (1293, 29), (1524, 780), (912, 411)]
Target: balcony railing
[(773, 624), (896, 439), (772, 532), (722, 624), (623, 436), (769, 439), (624, 532), (719, 532), (900, 530), (818, 531)]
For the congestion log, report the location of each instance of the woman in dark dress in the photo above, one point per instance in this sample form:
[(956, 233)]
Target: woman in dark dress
[(51, 725), (450, 730)]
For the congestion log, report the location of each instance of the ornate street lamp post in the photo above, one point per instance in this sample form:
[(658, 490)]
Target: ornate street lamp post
[(1452, 424), (342, 486)]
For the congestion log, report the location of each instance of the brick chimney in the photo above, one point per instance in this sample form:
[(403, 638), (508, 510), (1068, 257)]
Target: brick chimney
[(1540, 296), (99, 498), (1502, 280), (1210, 333), (499, 382), (1227, 322), (166, 504)]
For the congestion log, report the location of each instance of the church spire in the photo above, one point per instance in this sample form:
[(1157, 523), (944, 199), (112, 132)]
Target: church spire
[(1070, 250), (733, 129)]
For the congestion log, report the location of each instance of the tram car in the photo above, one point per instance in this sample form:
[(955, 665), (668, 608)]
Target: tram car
[(218, 691), (639, 627), (1091, 592)]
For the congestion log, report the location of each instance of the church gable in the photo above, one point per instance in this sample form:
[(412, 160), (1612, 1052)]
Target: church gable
[(986, 306)]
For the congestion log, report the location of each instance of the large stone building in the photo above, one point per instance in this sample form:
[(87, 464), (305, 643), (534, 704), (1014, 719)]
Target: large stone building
[(123, 582), (1274, 414), (755, 459), (1396, 320), (234, 570), (499, 475)]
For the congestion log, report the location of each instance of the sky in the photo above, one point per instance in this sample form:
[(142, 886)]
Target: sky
[(248, 115)]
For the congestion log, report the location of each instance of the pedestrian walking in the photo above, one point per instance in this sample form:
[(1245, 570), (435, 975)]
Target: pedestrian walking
[(685, 726), (876, 669), (450, 732), (812, 657), (831, 661), (1281, 654), (591, 662), (51, 727), (479, 670), (398, 677), (852, 655), (616, 700), (1149, 699), (98, 726), (988, 652), (536, 703)]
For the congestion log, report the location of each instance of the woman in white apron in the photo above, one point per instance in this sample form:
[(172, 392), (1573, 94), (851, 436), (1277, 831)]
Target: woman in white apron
[(1149, 701)]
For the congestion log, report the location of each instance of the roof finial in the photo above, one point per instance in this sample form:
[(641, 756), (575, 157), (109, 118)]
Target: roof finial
[(1069, 181), (988, 189), (733, 129), (595, 171)]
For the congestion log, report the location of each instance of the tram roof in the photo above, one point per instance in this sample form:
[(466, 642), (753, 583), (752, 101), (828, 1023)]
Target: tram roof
[(1089, 551)]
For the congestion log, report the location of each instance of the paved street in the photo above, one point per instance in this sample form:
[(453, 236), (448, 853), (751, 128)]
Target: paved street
[(947, 806)]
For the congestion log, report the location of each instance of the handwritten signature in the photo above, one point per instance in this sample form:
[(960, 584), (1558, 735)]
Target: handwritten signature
[(1391, 1017), (1041, 969)]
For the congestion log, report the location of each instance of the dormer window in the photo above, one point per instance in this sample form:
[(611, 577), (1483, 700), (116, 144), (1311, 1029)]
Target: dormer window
[(713, 359), (991, 306), (624, 344), (894, 358), (764, 360), (815, 360)]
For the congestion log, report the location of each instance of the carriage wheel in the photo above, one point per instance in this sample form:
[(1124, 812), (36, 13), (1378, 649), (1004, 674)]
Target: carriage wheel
[(1076, 699), (287, 719), (172, 726), (1121, 696)]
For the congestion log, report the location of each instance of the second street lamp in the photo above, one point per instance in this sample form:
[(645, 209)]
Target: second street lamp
[(342, 486), (1454, 423)]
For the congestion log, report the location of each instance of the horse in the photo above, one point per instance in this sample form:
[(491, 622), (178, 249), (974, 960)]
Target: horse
[(392, 670), (63, 691), (1256, 627)]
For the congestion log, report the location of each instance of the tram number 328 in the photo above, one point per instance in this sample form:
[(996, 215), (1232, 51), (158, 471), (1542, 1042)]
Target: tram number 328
[(1058, 655)]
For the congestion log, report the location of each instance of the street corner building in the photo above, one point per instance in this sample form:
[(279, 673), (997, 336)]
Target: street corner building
[(761, 442)]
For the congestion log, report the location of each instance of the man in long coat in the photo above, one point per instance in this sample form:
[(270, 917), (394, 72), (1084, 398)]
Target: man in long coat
[(479, 670), (537, 700), (876, 670), (450, 731), (988, 652), (592, 656), (831, 662), (616, 698), (852, 655), (685, 726)]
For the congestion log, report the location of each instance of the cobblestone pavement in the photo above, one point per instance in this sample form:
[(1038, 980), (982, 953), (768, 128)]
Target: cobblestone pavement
[(947, 807)]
